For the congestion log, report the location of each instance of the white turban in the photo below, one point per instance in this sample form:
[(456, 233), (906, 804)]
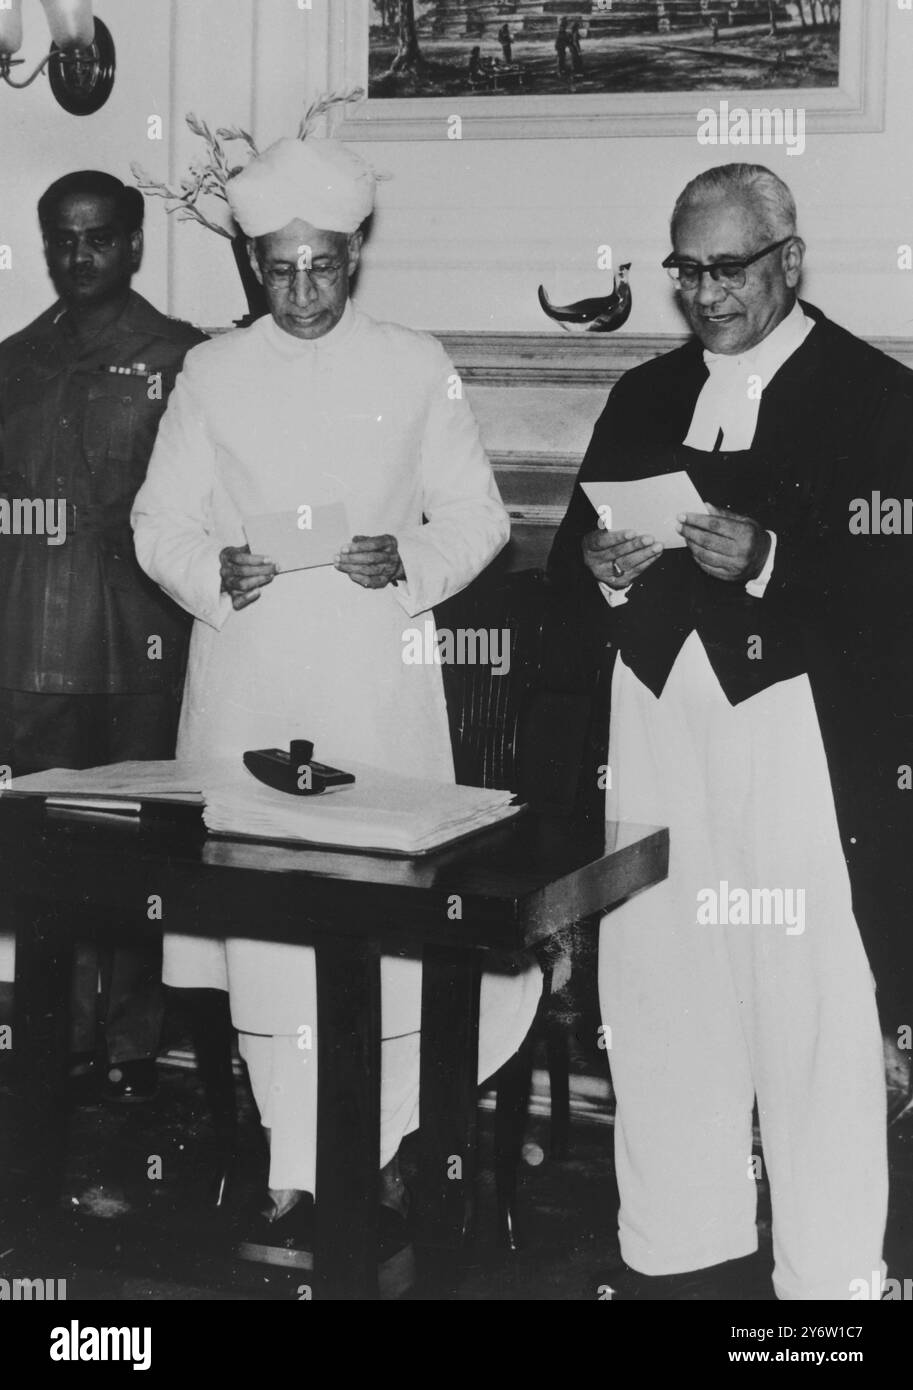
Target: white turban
[(318, 181)]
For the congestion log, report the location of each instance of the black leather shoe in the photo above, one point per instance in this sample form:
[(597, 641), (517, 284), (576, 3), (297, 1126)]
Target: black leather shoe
[(289, 1244), (287, 1241), (130, 1083), (745, 1279)]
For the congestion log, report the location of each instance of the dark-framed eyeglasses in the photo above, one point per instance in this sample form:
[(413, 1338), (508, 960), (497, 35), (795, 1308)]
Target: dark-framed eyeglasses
[(730, 274), (321, 273)]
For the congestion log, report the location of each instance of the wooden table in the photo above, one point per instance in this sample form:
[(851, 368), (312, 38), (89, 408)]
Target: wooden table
[(518, 884)]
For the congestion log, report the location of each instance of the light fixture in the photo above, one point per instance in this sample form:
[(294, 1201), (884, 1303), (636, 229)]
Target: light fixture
[(81, 61)]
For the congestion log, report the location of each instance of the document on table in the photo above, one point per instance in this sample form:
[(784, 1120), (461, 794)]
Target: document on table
[(649, 506), (379, 811), (299, 540)]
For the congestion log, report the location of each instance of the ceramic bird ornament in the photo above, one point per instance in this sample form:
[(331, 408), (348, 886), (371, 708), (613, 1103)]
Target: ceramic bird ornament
[(602, 315)]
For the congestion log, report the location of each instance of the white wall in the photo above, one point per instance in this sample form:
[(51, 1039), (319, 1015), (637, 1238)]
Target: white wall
[(465, 231), (39, 141)]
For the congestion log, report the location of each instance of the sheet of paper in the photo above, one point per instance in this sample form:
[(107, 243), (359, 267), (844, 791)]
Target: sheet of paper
[(302, 539), (649, 506), (115, 785)]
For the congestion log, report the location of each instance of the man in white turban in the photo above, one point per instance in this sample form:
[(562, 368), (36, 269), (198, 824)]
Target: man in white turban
[(317, 403)]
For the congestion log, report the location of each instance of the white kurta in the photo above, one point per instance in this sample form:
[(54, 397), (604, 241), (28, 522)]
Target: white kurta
[(258, 422)]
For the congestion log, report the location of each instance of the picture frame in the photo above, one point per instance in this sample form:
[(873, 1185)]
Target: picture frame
[(855, 104)]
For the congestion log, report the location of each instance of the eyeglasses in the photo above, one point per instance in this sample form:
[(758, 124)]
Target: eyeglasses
[(321, 273), (730, 274)]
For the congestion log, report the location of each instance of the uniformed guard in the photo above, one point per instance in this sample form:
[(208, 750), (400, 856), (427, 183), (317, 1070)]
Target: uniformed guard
[(91, 652)]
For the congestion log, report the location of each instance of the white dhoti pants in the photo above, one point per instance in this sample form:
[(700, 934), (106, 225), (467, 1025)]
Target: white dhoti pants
[(704, 1018), (283, 1069)]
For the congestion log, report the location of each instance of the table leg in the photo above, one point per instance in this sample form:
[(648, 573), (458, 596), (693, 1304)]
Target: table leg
[(451, 980), (348, 1117), (41, 1040)]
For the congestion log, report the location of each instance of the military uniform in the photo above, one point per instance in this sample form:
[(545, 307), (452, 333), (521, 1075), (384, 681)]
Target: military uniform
[(91, 652)]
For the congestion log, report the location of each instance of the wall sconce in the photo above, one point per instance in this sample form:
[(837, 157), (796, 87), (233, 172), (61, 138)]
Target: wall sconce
[(81, 61)]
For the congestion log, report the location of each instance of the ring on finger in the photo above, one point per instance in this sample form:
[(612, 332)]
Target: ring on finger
[(617, 570)]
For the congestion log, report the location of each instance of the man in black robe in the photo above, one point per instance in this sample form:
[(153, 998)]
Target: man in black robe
[(776, 634)]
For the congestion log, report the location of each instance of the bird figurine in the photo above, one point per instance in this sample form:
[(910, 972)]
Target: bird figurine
[(602, 315)]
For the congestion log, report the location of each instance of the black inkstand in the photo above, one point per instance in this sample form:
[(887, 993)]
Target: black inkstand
[(294, 772)]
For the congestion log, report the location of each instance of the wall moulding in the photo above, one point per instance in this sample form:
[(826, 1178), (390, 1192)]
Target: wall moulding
[(546, 359)]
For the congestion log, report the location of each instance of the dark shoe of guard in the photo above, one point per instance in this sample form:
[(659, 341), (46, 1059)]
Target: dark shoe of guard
[(131, 1083)]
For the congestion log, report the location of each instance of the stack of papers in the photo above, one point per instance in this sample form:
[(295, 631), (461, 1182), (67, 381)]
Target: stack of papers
[(379, 811)]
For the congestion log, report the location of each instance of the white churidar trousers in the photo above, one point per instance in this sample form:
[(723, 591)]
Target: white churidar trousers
[(704, 1018), (283, 1069)]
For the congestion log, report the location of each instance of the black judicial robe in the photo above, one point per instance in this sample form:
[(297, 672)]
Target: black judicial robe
[(835, 425)]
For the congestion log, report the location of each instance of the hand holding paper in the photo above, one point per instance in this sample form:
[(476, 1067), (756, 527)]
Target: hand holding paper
[(244, 575), (303, 539), (371, 561), (646, 506), (726, 546), (617, 558)]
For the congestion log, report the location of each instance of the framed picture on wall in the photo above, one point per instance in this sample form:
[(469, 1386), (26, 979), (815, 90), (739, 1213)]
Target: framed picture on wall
[(572, 68)]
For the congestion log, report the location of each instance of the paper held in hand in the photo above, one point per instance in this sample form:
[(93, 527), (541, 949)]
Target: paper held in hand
[(648, 506), (299, 540)]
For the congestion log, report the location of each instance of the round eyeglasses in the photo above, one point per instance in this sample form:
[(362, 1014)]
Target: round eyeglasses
[(731, 274), (321, 273)]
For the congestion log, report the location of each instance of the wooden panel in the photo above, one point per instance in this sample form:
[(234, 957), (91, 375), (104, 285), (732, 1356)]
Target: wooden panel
[(551, 359), (572, 359)]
